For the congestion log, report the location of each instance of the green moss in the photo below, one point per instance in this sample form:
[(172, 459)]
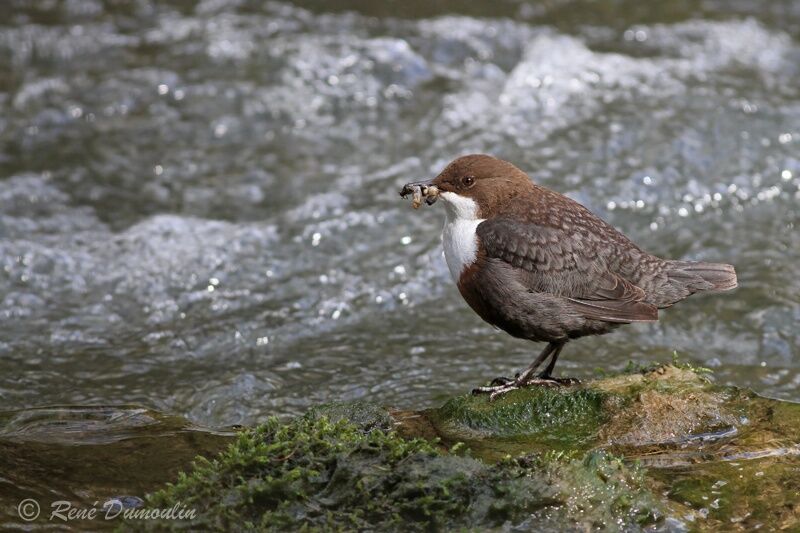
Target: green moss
[(602, 490), (367, 416), (662, 406), (746, 494), (539, 458), (563, 417), (316, 474), (688, 365), (636, 367)]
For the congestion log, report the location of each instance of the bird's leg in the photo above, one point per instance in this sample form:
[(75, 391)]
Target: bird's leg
[(502, 385), (551, 350), (547, 373), (526, 373)]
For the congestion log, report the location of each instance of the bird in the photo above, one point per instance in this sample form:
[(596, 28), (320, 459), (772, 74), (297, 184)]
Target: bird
[(542, 267)]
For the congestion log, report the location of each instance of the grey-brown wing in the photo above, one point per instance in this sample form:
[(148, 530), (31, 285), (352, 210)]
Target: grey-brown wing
[(555, 261)]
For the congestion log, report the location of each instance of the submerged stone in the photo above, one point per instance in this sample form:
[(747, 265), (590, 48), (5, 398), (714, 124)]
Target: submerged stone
[(86, 457)]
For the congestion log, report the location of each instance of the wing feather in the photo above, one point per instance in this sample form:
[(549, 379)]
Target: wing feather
[(555, 261)]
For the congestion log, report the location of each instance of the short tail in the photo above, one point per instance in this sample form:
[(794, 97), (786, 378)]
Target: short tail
[(698, 276)]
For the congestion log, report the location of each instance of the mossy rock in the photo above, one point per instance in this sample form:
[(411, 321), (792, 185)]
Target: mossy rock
[(661, 446), (662, 406), (315, 474), (746, 494), (726, 458), (525, 420), (366, 416)]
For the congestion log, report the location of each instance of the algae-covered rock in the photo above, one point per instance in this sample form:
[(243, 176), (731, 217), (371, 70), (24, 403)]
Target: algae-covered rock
[(747, 494), (366, 416), (660, 447), (724, 457), (317, 474), (549, 419), (665, 405)]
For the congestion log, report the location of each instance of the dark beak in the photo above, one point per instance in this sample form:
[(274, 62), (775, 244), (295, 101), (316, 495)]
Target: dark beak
[(421, 189), (408, 188)]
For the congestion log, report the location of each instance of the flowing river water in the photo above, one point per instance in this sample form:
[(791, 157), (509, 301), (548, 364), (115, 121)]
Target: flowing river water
[(199, 209)]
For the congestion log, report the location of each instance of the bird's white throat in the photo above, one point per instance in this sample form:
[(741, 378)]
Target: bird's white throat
[(458, 237)]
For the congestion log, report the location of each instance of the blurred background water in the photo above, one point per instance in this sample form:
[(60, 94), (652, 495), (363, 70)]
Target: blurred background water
[(199, 209)]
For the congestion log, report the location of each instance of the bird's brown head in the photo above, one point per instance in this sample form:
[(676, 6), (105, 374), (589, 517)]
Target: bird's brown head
[(474, 185)]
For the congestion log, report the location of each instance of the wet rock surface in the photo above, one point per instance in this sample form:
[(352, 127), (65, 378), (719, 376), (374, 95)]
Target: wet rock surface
[(661, 448), (318, 474), (178, 227), (662, 406)]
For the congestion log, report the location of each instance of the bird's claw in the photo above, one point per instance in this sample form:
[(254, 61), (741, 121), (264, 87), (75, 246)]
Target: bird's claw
[(564, 382), (497, 387), (501, 391), (495, 390)]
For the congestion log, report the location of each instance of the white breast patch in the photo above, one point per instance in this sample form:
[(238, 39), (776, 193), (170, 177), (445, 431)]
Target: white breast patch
[(458, 237)]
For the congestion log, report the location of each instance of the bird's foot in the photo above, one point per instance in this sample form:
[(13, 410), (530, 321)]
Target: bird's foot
[(502, 380), (497, 390), (564, 382)]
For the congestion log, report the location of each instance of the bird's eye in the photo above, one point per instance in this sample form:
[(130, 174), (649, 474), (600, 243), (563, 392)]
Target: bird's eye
[(468, 181)]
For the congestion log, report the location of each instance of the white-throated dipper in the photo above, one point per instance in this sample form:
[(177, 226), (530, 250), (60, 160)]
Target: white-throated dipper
[(542, 267)]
